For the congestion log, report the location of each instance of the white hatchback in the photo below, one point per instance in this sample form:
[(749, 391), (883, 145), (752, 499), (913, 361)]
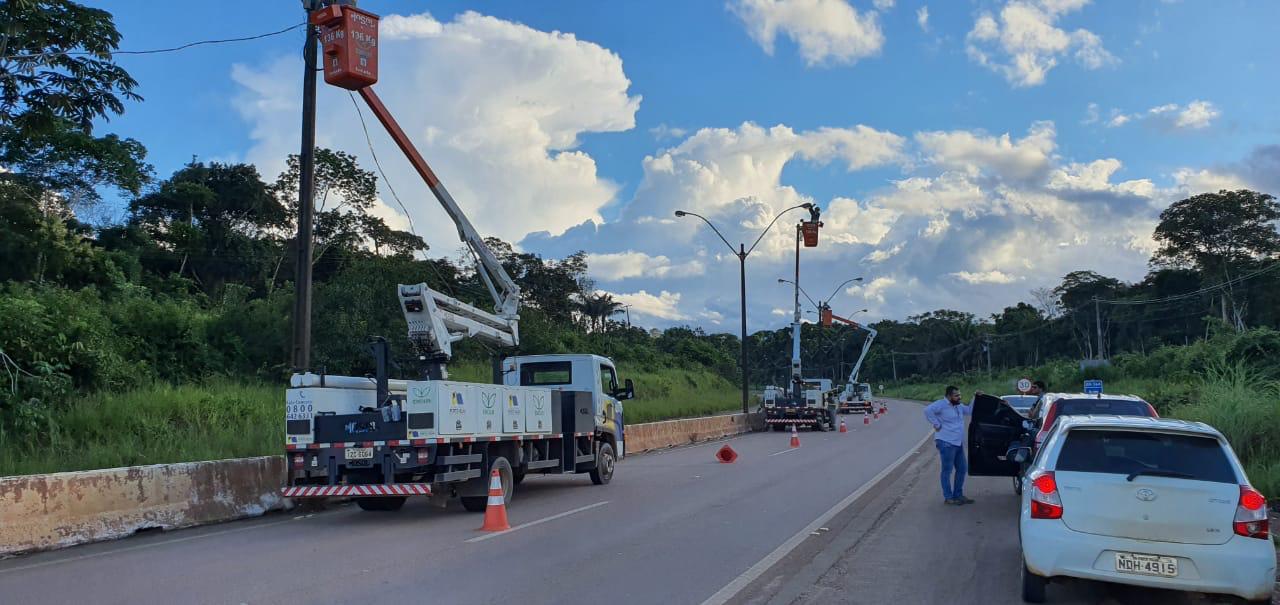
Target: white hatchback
[(1143, 501)]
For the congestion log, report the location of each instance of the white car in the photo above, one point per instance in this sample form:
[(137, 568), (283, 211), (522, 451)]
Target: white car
[(1143, 501)]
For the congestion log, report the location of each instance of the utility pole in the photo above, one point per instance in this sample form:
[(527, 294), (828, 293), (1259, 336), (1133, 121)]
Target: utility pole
[(1097, 317), (742, 296), (893, 359), (796, 379), (306, 201), (986, 348)]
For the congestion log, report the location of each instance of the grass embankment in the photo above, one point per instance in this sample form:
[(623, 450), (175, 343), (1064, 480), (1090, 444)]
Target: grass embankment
[(225, 419), (1244, 405)]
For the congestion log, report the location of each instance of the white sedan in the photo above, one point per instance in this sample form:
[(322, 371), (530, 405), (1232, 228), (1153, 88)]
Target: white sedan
[(1142, 501)]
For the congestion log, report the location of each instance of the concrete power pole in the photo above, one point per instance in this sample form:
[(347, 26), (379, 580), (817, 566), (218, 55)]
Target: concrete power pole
[(306, 205), (1097, 317)]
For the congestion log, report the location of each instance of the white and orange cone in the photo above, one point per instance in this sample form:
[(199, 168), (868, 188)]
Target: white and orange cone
[(843, 428), (866, 418), (795, 437), (495, 514)]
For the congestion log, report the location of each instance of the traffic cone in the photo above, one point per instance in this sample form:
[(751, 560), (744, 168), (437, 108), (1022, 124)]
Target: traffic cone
[(495, 514), (795, 437), (843, 428), (884, 409), (726, 455), (866, 418)]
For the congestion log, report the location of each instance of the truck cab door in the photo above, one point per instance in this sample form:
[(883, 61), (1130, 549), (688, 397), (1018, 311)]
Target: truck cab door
[(994, 428)]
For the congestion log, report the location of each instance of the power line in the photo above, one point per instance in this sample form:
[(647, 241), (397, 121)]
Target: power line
[(153, 51), (1187, 295)]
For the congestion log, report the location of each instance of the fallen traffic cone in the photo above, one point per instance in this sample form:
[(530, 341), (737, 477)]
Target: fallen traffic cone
[(495, 514), (726, 455), (843, 428), (866, 418), (795, 437)]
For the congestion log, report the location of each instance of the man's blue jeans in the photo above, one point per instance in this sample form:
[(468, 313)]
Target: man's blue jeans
[(952, 461)]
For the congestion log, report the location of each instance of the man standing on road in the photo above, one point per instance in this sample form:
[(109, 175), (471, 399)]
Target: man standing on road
[(947, 417)]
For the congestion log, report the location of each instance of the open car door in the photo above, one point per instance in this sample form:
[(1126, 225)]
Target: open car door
[(994, 428)]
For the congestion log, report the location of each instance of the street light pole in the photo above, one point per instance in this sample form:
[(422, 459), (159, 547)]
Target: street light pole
[(742, 252), (742, 297)]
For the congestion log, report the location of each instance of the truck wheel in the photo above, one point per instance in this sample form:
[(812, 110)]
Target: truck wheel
[(603, 472), (381, 504), (477, 504)]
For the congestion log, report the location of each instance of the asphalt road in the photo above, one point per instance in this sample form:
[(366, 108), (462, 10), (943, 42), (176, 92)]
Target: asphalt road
[(902, 544), (673, 527)]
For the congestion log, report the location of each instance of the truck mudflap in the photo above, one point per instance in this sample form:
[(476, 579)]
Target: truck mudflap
[(363, 491)]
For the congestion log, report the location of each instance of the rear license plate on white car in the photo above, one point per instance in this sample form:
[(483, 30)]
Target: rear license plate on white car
[(1147, 565), (359, 453)]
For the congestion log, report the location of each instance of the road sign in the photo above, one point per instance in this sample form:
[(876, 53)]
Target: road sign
[(1093, 387), (1024, 385)]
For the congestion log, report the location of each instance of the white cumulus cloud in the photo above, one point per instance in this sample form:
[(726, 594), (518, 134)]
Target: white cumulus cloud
[(665, 305), (617, 266), (826, 31), (1195, 115), (922, 18), (502, 135), (1023, 43), (984, 277)]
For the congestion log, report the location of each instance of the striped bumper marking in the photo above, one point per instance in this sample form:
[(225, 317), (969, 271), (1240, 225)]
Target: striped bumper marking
[(326, 491)]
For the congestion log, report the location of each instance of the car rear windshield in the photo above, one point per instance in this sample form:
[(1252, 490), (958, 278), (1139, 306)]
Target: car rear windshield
[(1119, 407), (546, 373), (1124, 452)]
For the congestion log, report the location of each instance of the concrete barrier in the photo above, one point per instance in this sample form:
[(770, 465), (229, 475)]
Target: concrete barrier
[(668, 433), (43, 512)]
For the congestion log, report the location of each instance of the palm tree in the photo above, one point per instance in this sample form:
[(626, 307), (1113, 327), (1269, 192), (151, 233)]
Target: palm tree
[(598, 308)]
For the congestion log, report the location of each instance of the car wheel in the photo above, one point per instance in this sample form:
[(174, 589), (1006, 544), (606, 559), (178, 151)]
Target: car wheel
[(1032, 586)]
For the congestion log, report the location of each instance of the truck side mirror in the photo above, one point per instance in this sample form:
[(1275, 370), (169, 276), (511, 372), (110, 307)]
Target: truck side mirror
[(628, 390)]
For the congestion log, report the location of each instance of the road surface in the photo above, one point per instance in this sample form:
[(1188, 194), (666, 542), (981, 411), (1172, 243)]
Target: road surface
[(902, 544), (673, 527)]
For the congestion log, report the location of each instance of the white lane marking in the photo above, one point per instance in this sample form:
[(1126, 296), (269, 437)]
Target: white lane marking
[(739, 583), (116, 551), (790, 449), (538, 522)]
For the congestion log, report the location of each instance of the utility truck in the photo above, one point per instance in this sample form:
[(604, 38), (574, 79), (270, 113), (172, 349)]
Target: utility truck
[(855, 396), (381, 440)]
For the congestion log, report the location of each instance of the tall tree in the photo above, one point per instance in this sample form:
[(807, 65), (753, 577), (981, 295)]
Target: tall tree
[(1222, 235), (56, 77)]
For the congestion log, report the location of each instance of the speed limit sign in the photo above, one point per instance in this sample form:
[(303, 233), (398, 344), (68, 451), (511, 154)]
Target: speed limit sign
[(1024, 385)]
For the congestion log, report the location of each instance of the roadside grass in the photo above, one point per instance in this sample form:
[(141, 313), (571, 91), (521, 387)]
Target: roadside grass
[(219, 419)]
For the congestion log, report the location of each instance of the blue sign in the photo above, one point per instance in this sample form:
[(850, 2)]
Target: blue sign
[(1093, 387)]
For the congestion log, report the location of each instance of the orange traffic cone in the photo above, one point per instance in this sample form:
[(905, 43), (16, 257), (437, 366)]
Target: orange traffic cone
[(884, 409), (843, 428), (726, 455), (795, 437), (866, 418), (495, 514)]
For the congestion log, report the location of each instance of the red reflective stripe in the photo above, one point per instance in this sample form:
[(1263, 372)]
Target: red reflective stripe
[(419, 442), (367, 444)]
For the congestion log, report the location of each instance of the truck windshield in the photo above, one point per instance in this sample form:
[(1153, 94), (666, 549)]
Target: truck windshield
[(546, 373)]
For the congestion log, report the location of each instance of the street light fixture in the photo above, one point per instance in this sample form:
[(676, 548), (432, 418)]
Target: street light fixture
[(742, 252)]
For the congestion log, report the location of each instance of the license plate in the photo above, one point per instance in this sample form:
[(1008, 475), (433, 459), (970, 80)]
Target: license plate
[(359, 453), (1147, 565)]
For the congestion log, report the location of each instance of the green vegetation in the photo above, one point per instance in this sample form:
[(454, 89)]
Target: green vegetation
[(1228, 382), (224, 419)]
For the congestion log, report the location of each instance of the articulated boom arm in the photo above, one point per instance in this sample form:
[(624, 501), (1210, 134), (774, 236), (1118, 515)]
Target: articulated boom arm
[(827, 317), (437, 320)]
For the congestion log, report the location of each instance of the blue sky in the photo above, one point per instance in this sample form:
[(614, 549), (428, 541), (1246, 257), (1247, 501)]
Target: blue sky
[(738, 109)]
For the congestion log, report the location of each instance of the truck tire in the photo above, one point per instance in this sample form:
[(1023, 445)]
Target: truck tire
[(605, 460), (477, 504), (381, 504)]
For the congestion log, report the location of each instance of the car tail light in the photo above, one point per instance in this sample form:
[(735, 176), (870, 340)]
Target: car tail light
[(297, 461), (1251, 514), (1045, 501)]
